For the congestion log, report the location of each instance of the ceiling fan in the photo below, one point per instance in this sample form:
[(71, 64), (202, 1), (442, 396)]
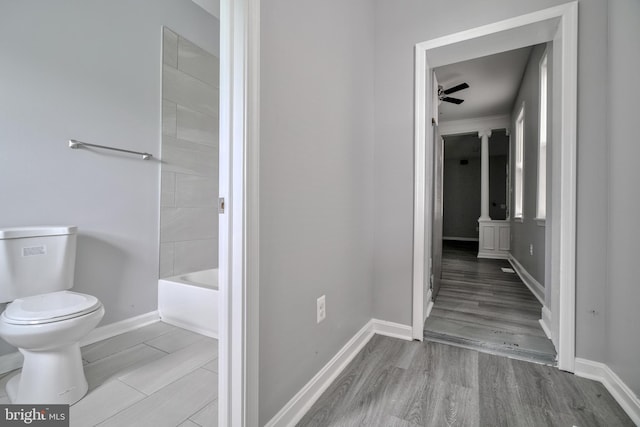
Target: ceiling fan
[(442, 93)]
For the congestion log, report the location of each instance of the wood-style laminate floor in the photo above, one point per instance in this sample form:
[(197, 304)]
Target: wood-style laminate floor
[(481, 307), (408, 384), (155, 376)]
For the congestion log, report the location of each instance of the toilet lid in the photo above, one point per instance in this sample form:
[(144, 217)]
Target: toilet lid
[(51, 307)]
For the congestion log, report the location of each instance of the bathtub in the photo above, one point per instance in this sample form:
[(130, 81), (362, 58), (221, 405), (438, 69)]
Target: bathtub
[(190, 301)]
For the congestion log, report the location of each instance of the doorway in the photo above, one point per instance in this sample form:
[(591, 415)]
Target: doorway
[(479, 300), (559, 25)]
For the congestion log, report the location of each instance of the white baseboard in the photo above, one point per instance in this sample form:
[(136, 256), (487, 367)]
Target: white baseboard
[(625, 397), (12, 361), (536, 288), (429, 305), (117, 328), (545, 329), (299, 404), (461, 239), (493, 255), (545, 322), (427, 312), (391, 329), (295, 409)]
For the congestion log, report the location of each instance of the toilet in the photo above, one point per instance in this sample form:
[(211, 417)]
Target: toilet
[(44, 319)]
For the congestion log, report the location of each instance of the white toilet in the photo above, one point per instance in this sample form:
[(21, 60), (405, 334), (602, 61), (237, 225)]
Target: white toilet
[(44, 320)]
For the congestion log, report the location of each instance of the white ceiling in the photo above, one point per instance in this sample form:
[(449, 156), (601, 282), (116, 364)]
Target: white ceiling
[(493, 84)]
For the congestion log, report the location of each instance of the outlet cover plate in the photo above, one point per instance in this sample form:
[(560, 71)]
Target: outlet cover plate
[(321, 306)]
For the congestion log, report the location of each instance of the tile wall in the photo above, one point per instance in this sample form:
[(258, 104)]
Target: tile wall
[(189, 185)]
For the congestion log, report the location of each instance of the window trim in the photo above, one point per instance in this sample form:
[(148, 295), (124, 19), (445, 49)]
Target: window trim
[(543, 134), (518, 194)]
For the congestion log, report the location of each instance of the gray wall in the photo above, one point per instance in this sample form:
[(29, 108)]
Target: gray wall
[(461, 194), (461, 197), (528, 231), (90, 71), (189, 184), (316, 187), (398, 28), (623, 244)]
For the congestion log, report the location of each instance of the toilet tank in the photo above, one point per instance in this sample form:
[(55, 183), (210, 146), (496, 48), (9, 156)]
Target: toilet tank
[(36, 260)]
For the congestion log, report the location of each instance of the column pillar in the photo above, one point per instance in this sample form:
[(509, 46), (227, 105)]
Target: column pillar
[(484, 174)]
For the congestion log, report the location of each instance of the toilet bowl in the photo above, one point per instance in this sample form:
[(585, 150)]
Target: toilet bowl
[(44, 319), (47, 329)]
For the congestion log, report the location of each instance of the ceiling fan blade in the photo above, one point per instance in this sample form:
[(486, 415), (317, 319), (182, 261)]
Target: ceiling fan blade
[(456, 88), (453, 100)]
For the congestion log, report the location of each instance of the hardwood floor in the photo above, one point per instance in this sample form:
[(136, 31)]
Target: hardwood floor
[(400, 383), (484, 308), (155, 376)]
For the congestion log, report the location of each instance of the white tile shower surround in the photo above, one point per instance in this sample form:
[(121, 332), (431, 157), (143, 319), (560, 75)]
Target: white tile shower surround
[(155, 376)]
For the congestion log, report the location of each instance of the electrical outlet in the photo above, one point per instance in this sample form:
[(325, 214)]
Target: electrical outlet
[(531, 249), (321, 308)]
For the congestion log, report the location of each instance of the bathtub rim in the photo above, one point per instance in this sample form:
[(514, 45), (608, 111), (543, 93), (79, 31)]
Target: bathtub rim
[(180, 280)]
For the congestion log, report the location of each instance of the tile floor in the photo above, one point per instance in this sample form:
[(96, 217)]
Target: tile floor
[(155, 376)]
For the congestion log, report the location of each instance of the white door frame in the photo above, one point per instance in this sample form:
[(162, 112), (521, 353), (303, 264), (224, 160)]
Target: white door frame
[(560, 25), (238, 230)]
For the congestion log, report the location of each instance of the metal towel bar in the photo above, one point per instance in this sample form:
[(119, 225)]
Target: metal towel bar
[(77, 144)]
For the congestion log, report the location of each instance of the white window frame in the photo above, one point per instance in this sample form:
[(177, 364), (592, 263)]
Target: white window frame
[(541, 205), (518, 194)]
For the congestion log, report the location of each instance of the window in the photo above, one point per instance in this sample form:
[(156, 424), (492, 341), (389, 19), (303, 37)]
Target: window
[(519, 163), (541, 210)]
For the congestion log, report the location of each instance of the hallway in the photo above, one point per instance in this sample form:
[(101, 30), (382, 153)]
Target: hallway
[(412, 384), (481, 307)]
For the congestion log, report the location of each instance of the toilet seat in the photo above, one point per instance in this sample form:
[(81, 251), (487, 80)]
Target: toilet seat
[(49, 308)]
